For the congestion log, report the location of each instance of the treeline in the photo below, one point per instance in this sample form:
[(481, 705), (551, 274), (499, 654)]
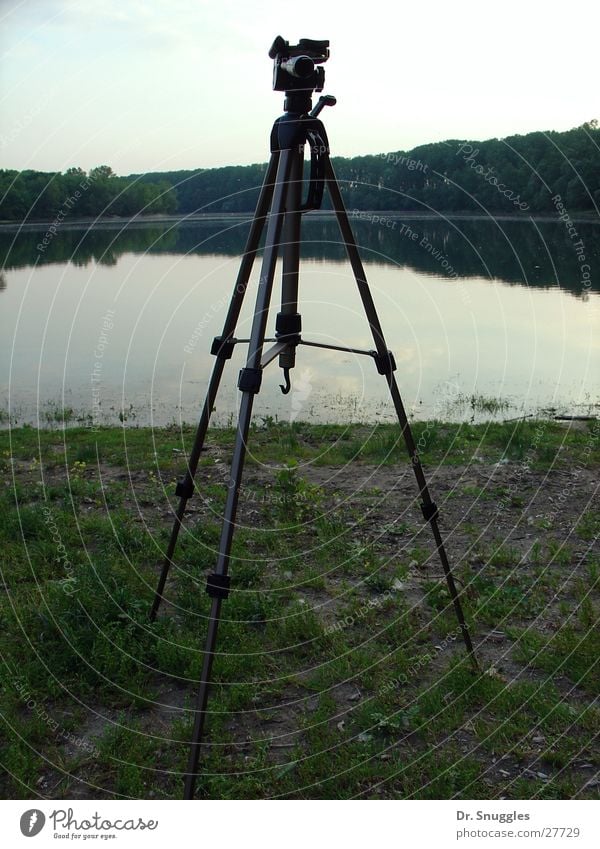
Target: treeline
[(515, 174), (37, 195)]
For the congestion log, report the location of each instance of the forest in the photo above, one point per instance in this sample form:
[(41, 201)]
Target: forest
[(518, 174), (50, 196)]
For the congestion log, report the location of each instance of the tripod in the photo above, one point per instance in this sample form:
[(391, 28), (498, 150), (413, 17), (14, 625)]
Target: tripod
[(281, 197)]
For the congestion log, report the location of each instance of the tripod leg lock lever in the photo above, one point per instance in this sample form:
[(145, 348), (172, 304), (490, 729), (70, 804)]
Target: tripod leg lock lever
[(217, 586), (385, 363), (429, 511), (184, 488), (250, 380), (288, 326)]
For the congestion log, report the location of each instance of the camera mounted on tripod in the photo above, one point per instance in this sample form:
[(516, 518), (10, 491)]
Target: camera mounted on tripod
[(295, 65), (295, 72)]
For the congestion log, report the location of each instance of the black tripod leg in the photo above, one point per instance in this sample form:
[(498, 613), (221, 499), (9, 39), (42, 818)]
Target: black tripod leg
[(249, 383), (386, 366), (209, 654), (215, 610), (185, 487)]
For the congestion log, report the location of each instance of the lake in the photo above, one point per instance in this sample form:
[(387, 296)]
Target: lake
[(487, 318)]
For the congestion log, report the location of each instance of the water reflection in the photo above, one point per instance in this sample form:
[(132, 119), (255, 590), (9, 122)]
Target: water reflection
[(535, 253)]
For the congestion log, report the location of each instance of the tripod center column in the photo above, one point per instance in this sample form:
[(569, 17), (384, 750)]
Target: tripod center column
[(288, 324)]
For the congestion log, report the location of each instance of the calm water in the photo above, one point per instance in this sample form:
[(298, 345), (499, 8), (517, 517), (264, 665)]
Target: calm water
[(112, 322)]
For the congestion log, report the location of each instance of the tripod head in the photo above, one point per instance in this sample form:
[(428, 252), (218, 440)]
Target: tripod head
[(295, 71)]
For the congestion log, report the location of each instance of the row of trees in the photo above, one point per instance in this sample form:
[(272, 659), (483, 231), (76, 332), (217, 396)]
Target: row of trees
[(515, 174), (37, 195)]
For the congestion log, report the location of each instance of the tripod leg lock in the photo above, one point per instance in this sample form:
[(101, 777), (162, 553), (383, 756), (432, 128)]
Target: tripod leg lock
[(222, 347), (385, 363), (217, 586), (288, 327), (429, 511), (250, 380), (184, 488)]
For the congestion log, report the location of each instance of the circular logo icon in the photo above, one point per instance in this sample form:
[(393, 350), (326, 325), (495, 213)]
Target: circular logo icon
[(32, 822)]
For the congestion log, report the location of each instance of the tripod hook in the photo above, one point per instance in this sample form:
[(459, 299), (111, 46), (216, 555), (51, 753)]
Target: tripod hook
[(286, 388)]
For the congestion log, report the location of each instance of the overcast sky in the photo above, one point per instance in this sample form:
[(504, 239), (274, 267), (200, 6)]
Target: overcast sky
[(166, 84)]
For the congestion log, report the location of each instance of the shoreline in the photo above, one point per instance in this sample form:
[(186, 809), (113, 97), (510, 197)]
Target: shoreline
[(116, 221), (79, 425)]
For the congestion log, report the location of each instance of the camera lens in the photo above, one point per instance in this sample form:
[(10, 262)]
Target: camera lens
[(299, 66)]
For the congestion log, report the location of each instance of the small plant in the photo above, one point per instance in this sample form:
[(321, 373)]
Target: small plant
[(294, 497), (588, 526), (535, 552), (78, 468), (402, 720), (437, 595), (59, 414), (378, 583), (482, 404)]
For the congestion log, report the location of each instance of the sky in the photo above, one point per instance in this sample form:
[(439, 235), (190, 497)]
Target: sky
[(169, 84)]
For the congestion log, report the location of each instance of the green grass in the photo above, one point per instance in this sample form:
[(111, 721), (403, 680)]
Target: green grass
[(537, 443), (329, 683)]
